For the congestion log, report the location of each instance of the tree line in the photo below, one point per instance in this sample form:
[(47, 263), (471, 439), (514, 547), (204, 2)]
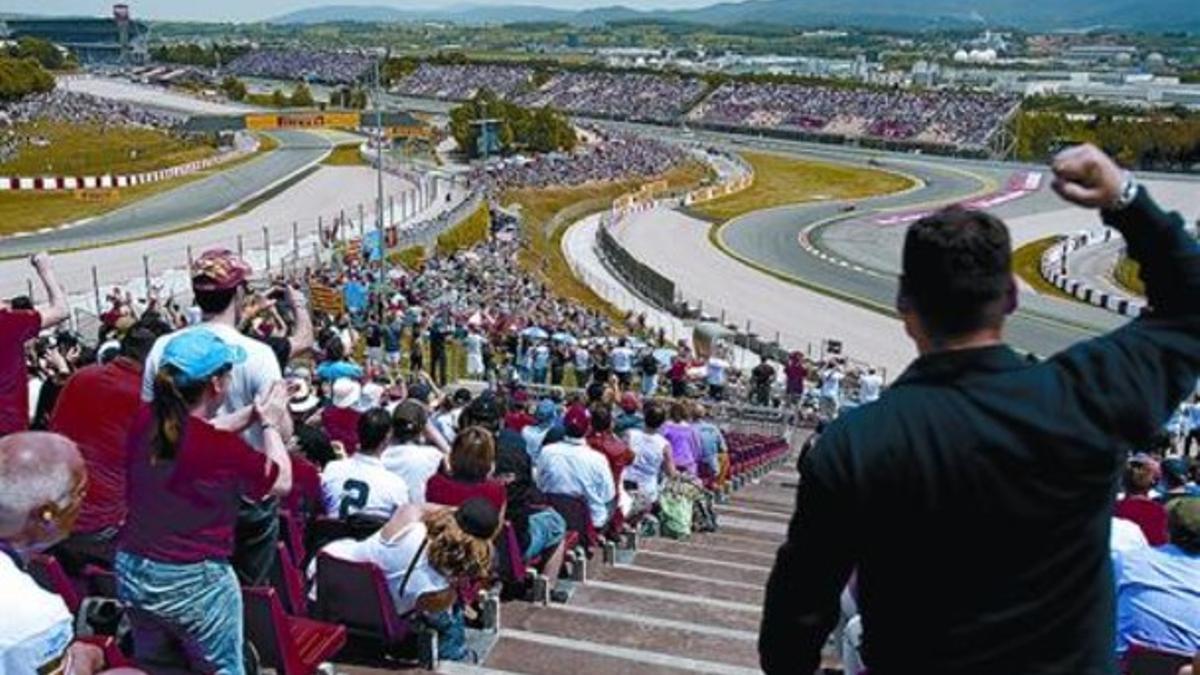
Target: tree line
[(21, 77), (519, 129), (1155, 142), (192, 54)]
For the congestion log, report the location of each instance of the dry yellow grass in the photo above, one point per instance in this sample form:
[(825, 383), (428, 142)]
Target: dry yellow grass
[(94, 149), (780, 180), (345, 155)]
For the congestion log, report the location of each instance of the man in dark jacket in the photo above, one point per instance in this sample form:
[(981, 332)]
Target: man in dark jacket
[(974, 498)]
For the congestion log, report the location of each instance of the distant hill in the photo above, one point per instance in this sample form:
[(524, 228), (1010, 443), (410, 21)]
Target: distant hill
[(901, 14)]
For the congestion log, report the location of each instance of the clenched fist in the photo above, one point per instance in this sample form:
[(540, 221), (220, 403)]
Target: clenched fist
[(1084, 175)]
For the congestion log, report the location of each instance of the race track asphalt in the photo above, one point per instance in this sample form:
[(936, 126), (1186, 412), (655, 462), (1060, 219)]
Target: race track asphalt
[(187, 204)]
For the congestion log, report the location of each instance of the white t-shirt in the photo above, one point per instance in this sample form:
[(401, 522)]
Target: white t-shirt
[(583, 359), (647, 463), (831, 383), (622, 359), (393, 558), (415, 464), (716, 371), (1126, 535), (474, 344), (35, 628), (869, 387), (249, 378), (361, 484)]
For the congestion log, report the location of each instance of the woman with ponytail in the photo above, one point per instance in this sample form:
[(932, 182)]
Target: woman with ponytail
[(186, 478)]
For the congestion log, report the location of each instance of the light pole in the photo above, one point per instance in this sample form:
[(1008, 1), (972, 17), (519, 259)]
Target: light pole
[(383, 262)]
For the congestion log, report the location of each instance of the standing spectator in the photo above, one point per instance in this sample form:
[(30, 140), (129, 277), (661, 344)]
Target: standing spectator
[(472, 461), (186, 478), (648, 365), (951, 467), (95, 410), (393, 332), (762, 378), (340, 419), (869, 386), (558, 365), (714, 451), (1138, 506), (18, 326), (540, 363), (1158, 589), (219, 280), (621, 359), (409, 457), (474, 345), (361, 484), (716, 374), (678, 376), (583, 364), (437, 351), (831, 388), (796, 374), (570, 467)]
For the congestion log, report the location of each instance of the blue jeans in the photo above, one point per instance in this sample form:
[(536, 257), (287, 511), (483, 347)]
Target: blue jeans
[(193, 606), (451, 631), (546, 529)]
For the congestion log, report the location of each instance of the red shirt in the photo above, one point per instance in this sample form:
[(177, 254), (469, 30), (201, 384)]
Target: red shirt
[(1148, 514), (17, 326), (442, 489), (305, 496), (341, 424), (96, 409), (616, 451), (184, 510), (517, 420)]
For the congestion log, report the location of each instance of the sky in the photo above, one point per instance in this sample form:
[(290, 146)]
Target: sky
[(253, 10)]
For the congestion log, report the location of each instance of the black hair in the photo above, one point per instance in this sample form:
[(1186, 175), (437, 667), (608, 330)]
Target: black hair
[(957, 271), (655, 416), (138, 341), (484, 411), (315, 445), (334, 349), (215, 302), (373, 428), (595, 392), (21, 302), (601, 417)]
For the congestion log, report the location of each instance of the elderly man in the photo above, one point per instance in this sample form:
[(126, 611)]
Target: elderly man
[(570, 467), (42, 482)]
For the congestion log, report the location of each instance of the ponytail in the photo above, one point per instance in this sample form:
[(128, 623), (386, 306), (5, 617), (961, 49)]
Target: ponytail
[(170, 406)]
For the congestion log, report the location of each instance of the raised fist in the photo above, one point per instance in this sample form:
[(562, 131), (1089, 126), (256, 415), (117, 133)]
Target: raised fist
[(1084, 175)]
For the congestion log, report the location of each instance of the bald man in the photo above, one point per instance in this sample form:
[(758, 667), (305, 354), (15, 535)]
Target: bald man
[(42, 481)]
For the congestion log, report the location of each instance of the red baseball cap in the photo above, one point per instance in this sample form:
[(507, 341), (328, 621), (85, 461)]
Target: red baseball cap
[(578, 421), (629, 402), (219, 270)]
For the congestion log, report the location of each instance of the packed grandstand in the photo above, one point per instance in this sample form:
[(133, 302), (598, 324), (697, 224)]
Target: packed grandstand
[(362, 459)]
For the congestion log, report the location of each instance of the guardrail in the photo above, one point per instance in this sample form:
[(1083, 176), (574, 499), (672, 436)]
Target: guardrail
[(1054, 270)]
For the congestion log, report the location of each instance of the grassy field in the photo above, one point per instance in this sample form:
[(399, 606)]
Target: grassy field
[(1126, 274), (29, 211), (1027, 264), (780, 180), (542, 254), (92, 149), (345, 155)]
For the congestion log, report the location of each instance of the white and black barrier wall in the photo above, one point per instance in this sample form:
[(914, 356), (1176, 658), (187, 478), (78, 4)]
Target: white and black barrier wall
[(1054, 270)]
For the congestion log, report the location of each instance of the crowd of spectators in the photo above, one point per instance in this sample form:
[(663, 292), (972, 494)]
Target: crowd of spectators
[(625, 96), (936, 117), (614, 156), (326, 67), (72, 108), (463, 82)]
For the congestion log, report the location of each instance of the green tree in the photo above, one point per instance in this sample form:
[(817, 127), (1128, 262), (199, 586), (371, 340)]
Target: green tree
[(278, 99), (302, 97), (234, 88), (44, 52), (21, 77)]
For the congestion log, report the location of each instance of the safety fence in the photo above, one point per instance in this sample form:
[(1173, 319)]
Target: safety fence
[(1054, 269)]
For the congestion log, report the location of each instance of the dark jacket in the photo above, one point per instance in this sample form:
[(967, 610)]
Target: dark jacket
[(975, 497)]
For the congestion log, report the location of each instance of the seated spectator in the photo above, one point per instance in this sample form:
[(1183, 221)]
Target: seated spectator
[(601, 439), (686, 451), (570, 467), (472, 461), (714, 451), (95, 410), (652, 459), (425, 552), (42, 481), (362, 485), (630, 416), (545, 416), (1140, 478), (1175, 480), (312, 453), (336, 366), (1126, 536), (408, 457), (1158, 589), (340, 419), (185, 481)]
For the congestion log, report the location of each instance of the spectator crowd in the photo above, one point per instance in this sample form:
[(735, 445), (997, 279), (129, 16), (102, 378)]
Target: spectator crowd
[(463, 82), (326, 67), (624, 96)]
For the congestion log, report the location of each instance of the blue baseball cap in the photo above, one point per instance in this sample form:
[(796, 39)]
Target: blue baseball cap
[(198, 354), (546, 411)]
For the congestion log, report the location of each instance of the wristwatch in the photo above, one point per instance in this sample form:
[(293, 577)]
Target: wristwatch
[(1128, 193)]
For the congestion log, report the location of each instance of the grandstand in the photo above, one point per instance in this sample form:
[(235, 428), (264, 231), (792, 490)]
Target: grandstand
[(91, 40)]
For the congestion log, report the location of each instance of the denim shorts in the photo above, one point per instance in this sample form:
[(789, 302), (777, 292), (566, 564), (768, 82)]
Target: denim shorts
[(546, 529), (193, 607)]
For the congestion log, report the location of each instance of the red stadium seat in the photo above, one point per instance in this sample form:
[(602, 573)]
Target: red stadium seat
[(50, 575), (356, 595), (291, 532), (575, 511), (290, 645), (288, 582)]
